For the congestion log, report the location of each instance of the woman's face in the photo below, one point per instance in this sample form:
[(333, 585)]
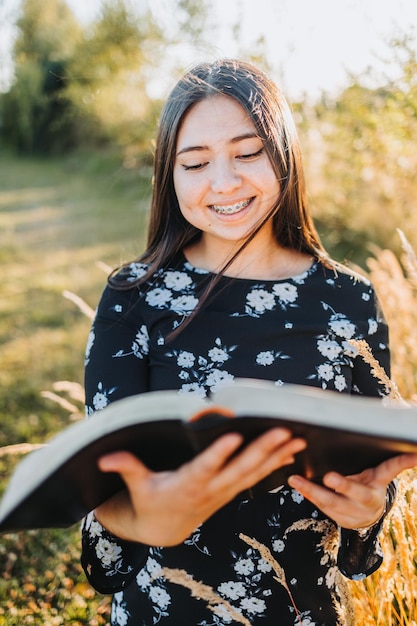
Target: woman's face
[(223, 179)]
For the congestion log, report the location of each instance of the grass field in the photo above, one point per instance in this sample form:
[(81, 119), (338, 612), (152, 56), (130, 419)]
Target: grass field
[(58, 220)]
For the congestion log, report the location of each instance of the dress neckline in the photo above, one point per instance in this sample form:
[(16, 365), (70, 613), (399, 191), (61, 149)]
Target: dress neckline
[(296, 278)]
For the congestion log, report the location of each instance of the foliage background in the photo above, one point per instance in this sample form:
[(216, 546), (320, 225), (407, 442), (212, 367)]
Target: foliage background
[(76, 141)]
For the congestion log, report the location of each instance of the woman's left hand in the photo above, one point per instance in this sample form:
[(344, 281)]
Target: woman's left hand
[(356, 501)]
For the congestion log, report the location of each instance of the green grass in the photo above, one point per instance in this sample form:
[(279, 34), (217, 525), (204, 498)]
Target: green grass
[(58, 220)]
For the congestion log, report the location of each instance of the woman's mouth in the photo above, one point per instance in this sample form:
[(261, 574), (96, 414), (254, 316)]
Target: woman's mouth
[(230, 209)]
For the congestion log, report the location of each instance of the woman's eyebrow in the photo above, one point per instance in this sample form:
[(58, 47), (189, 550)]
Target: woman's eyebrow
[(232, 140)]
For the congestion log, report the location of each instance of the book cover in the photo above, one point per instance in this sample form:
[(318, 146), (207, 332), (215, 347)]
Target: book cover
[(57, 485)]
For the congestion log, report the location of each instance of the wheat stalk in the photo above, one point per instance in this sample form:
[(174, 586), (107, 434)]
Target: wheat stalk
[(278, 569), (19, 448), (81, 304), (410, 259), (377, 370), (201, 591)]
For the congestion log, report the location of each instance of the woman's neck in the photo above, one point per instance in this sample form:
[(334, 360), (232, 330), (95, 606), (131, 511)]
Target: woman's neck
[(256, 262)]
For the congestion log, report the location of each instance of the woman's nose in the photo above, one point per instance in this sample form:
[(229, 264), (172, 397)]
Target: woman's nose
[(225, 179)]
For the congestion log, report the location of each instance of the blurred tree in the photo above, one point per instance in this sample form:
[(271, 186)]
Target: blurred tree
[(108, 75), (75, 87), (362, 161), (36, 114)]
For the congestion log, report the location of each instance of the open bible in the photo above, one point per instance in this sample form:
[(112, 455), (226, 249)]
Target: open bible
[(58, 484)]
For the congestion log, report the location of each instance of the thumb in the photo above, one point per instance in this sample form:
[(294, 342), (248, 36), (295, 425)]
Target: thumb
[(124, 463), (388, 470)]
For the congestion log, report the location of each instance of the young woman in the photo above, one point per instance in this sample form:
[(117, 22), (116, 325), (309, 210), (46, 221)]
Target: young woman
[(234, 283)]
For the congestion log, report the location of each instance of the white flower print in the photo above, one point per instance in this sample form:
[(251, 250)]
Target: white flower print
[(278, 545), (143, 579), (107, 551), (160, 597), (221, 611), (100, 401), (153, 567), (136, 270), (184, 304), (265, 358), (119, 614), (329, 348), (296, 496), (340, 382), (140, 346), (217, 379), (244, 566), (260, 300), (193, 388), (232, 590), (158, 297), (218, 355), (185, 359), (95, 529), (264, 566), (349, 350), (372, 326), (341, 326), (325, 371), (268, 357), (101, 398), (366, 296), (177, 280), (253, 605), (285, 292)]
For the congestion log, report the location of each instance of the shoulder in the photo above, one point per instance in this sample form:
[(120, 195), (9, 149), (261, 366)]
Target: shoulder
[(338, 274), (128, 275), (344, 288)]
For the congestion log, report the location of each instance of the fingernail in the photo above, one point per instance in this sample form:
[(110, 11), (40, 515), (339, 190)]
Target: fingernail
[(295, 481), (332, 480)]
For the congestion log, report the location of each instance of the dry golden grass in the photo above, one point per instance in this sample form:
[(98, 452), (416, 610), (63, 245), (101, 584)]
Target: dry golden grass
[(389, 596)]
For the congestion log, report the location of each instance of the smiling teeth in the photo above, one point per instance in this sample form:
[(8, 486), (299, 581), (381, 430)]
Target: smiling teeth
[(230, 208)]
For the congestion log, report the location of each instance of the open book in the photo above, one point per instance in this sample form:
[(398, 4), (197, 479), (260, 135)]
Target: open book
[(58, 484)]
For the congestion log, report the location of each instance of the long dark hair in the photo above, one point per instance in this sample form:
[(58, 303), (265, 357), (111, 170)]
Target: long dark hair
[(269, 111)]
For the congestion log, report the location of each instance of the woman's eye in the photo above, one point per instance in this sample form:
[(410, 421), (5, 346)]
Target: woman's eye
[(197, 166), (252, 155)]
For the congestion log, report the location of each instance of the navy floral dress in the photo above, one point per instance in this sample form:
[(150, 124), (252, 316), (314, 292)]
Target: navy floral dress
[(272, 560)]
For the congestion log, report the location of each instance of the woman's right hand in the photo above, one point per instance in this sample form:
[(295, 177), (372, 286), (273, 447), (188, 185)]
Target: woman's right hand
[(163, 508)]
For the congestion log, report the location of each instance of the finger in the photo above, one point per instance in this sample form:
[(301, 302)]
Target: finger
[(258, 460), (209, 462), (368, 495), (352, 506), (384, 473), (320, 496), (126, 464)]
